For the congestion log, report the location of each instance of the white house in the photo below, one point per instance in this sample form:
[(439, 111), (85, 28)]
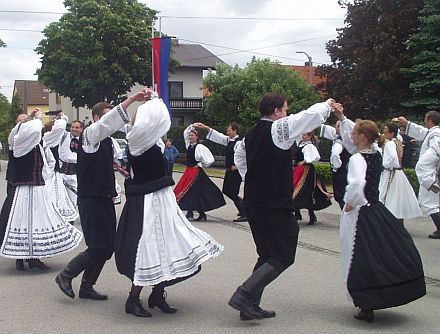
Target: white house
[(185, 86)]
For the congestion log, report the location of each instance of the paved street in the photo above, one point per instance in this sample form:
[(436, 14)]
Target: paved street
[(309, 297)]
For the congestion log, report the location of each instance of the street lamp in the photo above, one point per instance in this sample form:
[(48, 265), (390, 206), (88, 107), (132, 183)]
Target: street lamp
[(310, 65)]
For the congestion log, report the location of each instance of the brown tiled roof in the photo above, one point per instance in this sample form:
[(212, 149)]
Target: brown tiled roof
[(37, 93), (194, 55), (303, 71)]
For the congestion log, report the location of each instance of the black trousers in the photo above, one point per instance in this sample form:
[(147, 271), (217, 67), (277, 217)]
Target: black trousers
[(275, 233), (98, 222), (231, 187)]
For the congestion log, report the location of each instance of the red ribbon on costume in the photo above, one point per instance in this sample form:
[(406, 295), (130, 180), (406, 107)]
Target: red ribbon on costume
[(186, 181)]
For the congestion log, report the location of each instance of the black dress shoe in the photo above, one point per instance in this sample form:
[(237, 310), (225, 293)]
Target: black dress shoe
[(65, 285), (37, 263), (87, 292), (134, 306), (264, 313), (312, 221), (19, 265), (158, 300), (240, 219), (367, 315), (189, 215), (434, 235)]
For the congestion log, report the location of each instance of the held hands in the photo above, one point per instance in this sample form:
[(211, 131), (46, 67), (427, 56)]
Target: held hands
[(199, 125), (143, 95), (348, 207), (36, 113), (401, 120)]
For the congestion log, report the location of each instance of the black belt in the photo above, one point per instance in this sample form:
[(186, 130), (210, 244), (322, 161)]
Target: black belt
[(68, 168)]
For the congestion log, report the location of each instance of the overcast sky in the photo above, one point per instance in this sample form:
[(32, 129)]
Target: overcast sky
[(286, 26)]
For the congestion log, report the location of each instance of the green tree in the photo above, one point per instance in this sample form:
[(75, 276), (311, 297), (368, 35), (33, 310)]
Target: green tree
[(2, 44), (5, 119), (367, 57), (424, 72), (236, 92), (97, 51)]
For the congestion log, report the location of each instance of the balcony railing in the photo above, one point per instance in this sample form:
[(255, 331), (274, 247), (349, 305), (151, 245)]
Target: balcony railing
[(186, 103)]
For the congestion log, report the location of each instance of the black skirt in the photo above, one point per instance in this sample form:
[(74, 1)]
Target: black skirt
[(307, 194), (386, 268), (203, 195)]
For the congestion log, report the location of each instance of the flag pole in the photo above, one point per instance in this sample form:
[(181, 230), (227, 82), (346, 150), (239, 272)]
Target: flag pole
[(152, 55)]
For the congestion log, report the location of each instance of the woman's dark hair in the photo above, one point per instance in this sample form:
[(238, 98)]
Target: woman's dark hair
[(393, 127)]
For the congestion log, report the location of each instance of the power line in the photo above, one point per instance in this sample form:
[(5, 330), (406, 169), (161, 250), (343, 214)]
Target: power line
[(199, 17)]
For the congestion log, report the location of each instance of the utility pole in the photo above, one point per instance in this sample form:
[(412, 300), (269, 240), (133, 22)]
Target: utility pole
[(309, 65)]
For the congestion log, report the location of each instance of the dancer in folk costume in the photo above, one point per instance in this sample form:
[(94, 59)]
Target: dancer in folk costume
[(55, 186), (31, 226), (96, 191), (381, 265), (68, 156), (155, 245), (232, 180), (339, 157), (264, 159), (309, 191), (195, 191), (395, 191), (428, 199)]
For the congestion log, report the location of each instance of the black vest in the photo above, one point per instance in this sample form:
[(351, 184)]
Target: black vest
[(10, 171), (191, 156), (56, 155), (268, 181), (299, 155), (26, 170), (374, 169), (150, 172), (345, 158), (95, 170), (230, 153)]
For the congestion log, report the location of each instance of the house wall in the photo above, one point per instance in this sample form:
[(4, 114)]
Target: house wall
[(192, 81)]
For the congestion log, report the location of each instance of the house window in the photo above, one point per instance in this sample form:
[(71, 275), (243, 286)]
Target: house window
[(175, 89), (57, 98), (176, 120)]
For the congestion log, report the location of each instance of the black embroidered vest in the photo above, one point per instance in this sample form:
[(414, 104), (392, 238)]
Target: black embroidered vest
[(268, 180), (95, 170)]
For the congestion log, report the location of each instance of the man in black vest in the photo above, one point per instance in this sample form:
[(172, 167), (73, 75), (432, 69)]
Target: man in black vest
[(232, 181), (264, 159), (96, 190)]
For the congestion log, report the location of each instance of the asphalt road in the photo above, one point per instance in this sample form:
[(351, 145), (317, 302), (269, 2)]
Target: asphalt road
[(309, 297)]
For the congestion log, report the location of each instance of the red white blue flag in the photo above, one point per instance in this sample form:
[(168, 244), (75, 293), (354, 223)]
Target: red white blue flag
[(161, 60)]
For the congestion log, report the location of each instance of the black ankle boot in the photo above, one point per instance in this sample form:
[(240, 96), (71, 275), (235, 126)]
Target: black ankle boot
[(134, 306), (157, 298), (189, 215), (312, 219), (87, 291), (19, 265), (202, 216), (367, 315), (37, 263), (89, 279), (436, 220), (243, 299), (72, 269)]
